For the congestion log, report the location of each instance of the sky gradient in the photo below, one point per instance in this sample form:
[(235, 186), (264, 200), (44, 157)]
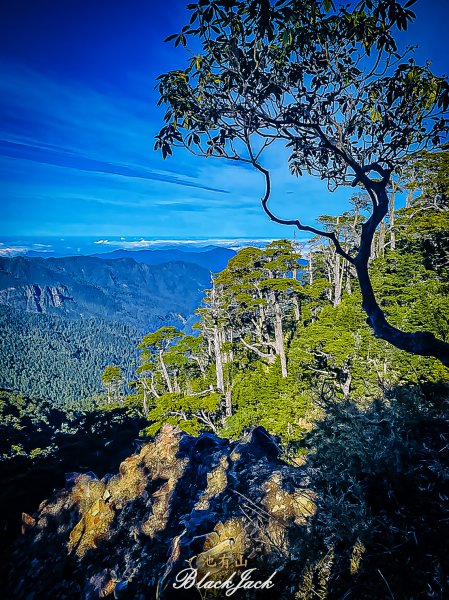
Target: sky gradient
[(78, 117)]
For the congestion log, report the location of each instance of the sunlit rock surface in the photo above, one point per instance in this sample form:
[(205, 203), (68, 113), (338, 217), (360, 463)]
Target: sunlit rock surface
[(181, 502)]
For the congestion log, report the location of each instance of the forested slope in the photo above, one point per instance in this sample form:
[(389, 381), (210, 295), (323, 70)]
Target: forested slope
[(62, 321), (60, 359), (121, 290)]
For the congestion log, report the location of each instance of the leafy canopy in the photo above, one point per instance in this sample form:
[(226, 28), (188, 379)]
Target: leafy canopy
[(329, 82)]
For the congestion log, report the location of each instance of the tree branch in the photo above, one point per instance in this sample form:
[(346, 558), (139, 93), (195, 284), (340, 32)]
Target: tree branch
[(296, 222), (256, 350)]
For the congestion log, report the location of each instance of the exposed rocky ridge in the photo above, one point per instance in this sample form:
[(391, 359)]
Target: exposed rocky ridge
[(42, 298), (121, 290), (181, 500)]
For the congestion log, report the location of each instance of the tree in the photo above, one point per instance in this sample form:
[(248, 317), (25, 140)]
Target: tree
[(259, 288), (330, 85), (112, 379), (428, 173), (281, 260), (423, 225), (154, 347), (191, 413)]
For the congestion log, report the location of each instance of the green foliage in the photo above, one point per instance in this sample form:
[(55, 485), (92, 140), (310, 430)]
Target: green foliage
[(376, 475), (329, 347), (304, 73), (423, 227), (265, 298), (366, 421), (192, 414), (327, 83), (34, 428), (60, 359), (111, 374), (160, 339), (262, 396), (112, 379)]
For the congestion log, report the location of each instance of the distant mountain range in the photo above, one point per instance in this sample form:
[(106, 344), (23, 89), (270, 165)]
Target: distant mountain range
[(56, 247), (213, 258), (62, 320), (121, 289)]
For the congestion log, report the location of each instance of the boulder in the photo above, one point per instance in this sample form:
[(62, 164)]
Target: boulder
[(206, 504)]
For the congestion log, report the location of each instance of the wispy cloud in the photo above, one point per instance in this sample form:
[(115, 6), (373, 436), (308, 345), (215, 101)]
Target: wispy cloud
[(65, 123), (63, 158), (13, 251), (18, 248), (76, 160)]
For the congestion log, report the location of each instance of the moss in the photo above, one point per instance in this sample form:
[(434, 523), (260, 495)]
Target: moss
[(357, 554), (298, 506), (98, 501), (160, 509), (93, 526)]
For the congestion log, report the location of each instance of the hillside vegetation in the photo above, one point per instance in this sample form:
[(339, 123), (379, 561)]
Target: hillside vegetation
[(63, 320), (283, 422), (276, 336)]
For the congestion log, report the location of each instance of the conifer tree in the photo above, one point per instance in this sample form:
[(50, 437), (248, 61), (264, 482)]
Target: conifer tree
[(329, 84), (112, 379)]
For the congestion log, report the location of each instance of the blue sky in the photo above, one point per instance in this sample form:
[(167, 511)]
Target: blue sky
[(78, 117)]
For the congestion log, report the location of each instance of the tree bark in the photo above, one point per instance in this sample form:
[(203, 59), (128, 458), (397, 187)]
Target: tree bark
[(381, 240), (269, 357), (218, 359), (348, 278), (200, 365), (391, 219), (421, 343), (346, 385), (145, 402), (310, 268), (296, 308), (337, 280), (279, 334), (165, 372), (228, 402)]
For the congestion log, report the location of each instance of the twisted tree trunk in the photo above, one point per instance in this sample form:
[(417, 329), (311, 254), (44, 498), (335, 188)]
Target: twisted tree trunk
[(165, 372), (422, 343)]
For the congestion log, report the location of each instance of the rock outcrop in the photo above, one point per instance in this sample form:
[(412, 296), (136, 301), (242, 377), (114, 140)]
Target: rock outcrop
[(80, 287), (181, 505)]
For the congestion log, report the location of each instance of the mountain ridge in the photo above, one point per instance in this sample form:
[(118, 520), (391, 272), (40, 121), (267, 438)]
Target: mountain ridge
[(214, 259), (118, 289)]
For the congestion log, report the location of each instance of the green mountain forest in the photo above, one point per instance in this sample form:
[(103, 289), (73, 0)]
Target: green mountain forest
[(63, 320), (285, 346), (276, 338)]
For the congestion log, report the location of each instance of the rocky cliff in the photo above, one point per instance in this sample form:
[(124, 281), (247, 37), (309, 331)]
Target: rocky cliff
[(122, 290), (363, 517), (181, 505)]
